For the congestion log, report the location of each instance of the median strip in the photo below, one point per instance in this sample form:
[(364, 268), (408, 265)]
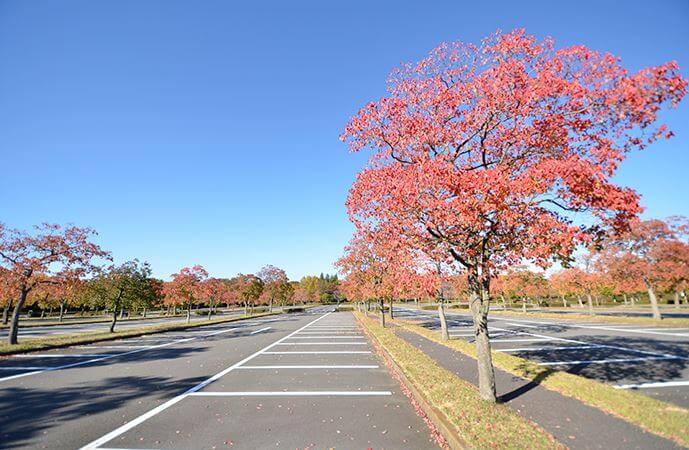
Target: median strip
[(660, 418), (455, 403)]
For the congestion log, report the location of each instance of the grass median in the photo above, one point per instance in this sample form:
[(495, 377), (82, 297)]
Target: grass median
[(652, 415), (477, 423), (66, 340)]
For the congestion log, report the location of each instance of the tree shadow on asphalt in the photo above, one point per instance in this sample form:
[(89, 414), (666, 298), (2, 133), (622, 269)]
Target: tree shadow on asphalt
[(27, 414), (615, 372)]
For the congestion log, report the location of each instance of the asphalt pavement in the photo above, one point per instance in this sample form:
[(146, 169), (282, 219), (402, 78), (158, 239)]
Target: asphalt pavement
[(306, 380), (653, 360)]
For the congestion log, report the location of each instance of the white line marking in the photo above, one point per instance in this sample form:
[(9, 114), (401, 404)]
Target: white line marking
[(89, 361), (317, 353), (541, 349), (308, 367), (652, 385), (289, 393), (213, 333), (323, 343), (64, 355), (521, 325), (262, 329), (111, 346), (325, 337), (521, 340), (142, 418), (606, 361), (23, 368)]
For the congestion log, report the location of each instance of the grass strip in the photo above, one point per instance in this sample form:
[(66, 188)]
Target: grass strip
[(478, 423), (661, 418), (55, 323), (66, 340), (670, 322)]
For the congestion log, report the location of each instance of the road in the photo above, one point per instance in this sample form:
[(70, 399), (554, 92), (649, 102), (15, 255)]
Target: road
[(307, 380), (652, 360), (67, 328)]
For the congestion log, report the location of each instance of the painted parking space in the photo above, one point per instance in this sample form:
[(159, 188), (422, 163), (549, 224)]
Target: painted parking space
[(273, 397), (652, 360)]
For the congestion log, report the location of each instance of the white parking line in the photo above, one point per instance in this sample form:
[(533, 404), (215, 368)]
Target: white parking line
[(606, 361), (64, 355), (522, 340), (317, 353), (326, 337), (261, 330), (541, 349), (92, 360), (142, 418), (324, 343), (521, 325), (23, 368), (659, 384), (309, 367), (289, 393), (110, 346)]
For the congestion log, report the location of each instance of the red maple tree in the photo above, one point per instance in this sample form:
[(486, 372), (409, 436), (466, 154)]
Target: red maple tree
[(487, 152)]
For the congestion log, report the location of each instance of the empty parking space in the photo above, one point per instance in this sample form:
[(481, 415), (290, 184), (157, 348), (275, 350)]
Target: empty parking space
[(653, 360), (292, 393)]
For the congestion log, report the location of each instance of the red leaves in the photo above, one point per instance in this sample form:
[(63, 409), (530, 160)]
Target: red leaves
[(502, 152)]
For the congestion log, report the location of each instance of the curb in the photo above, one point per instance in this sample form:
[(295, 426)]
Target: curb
[(436, 417), (134, 333)]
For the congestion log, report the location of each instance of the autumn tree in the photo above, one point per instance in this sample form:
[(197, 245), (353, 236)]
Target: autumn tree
[(186, 286), (274, 281), (489, 152), (648, 252), (248, 289), (49, 254), (120, 287)]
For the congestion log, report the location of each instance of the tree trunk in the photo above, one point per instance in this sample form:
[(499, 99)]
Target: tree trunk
[(144, 313), (444, 333), (581, 304), (6, 312), (14, 325), (270, 305), (210, 309), (564, 301), (523, 305), (479, 291), (246, 308), (676, 299), (392, 315), (589, 300), (62, 309), (633, 300), (624, 299), (654, 301), (382, 312), (114, 316), (189, 311)]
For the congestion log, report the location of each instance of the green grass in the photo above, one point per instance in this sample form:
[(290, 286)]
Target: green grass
[(675, 322), (477, 423), (66, 340), (55, 322), (657, 417)]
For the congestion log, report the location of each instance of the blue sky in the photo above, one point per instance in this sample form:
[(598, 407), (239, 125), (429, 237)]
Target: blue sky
[(207, 132)]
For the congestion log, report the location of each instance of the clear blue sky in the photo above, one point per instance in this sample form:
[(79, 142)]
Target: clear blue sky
[(207, 132)]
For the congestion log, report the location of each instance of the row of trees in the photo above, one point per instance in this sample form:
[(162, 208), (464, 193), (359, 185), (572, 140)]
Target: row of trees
[(649, 261), (492, 155), (57, 267)]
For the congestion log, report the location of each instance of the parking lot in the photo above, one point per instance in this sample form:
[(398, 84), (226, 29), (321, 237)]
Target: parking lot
[(652, 360), (307, 380)]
